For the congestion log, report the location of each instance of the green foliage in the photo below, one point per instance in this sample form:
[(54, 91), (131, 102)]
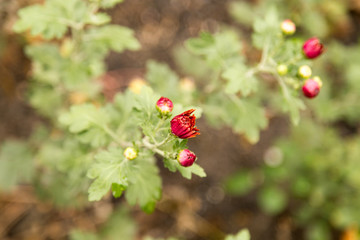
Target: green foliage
[(241, 235), (52, 19), (245, 116), (16, 165), (267, 30), (120, 224), (272, 200), (240, 183), (163, 79)]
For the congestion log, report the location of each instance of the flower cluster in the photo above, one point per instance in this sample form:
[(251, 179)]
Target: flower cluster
[(181, 126), (311, 49)]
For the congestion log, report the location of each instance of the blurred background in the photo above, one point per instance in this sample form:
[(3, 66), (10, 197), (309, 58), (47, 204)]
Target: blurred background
[(296, 183)]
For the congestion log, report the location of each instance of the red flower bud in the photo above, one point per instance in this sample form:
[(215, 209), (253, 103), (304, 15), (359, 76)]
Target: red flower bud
[(186, 158), (312, 48), (183, 125), (311, 88), (164, 105)]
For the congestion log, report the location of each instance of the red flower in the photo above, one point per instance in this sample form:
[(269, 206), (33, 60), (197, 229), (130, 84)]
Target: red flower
[(311, 88), (312, 48), (183, 125), (164, 106), (186, 158)]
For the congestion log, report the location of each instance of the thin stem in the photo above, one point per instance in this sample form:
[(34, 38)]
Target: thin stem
[(152, 147), (115, 137), (166, 140)]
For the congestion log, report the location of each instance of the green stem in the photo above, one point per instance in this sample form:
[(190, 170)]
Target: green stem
[(166, 140), (152, 147), (112, 134)]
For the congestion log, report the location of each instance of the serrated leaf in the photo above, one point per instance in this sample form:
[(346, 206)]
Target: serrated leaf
[(145, 103), (145, 185), (96, 137), (52, 19), (266, 30), (110, 167), (241, 235), (247, 118), (239, 80), (215, 48), (16, 164), (292, 104), (186, 172), (82, 117), (162, 79), (109, 37)]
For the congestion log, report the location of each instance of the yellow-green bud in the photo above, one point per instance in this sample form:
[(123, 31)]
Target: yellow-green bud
[(304, 71), (288, 27), (282, 69), (130, 153)]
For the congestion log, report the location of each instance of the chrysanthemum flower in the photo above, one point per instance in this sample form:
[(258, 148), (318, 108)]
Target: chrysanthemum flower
[(183, 125)]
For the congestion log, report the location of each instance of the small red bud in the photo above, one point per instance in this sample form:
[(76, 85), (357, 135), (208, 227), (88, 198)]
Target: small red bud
[(311, 88), (312, 48), (186, 158), (164, 106)]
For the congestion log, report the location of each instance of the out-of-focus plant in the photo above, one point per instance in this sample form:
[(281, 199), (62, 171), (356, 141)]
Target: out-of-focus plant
[(242, 95), (320, 18), (86, 137), (313, 174)]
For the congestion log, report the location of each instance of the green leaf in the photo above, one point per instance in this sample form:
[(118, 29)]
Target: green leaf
[(109, 3), (16, 164), (47, 62), (244, 116), (292, 104), (52, 19), (80, 235), (215, 49), (242, 12), (117, 190), (119, 226), (145, 103), (239, 80), (144, 185), (109, 37), (82, 117), (241, 235), (162, 79), (267, 30), (110, 167), (187, 172), (44, 100), (240, 183), (97, 18), (250, 118), (272, 200)]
